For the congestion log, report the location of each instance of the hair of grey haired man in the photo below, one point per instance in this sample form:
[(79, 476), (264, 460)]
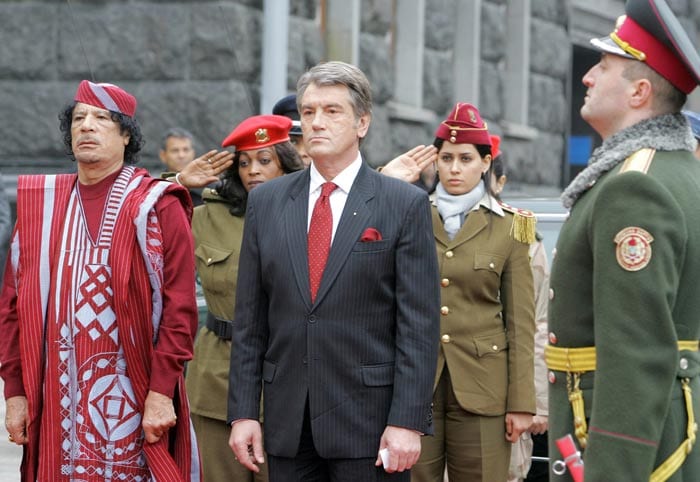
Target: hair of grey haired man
[(339, 73), (177, 132)]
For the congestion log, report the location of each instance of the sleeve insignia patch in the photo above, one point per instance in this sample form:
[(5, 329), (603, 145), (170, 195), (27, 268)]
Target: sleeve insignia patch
[(633, 250)]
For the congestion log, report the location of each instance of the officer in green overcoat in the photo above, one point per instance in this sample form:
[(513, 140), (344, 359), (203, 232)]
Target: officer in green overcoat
[(624, 308)]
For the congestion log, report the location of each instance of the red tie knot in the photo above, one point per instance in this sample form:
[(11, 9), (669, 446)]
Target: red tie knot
[(327, 188)]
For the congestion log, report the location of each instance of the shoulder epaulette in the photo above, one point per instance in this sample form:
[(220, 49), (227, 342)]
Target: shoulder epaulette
[(639, 161), (524, 221)]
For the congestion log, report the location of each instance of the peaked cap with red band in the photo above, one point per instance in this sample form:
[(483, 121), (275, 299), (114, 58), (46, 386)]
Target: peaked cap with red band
[(464, 126), (259, 131), (106, 96), (651, 33)]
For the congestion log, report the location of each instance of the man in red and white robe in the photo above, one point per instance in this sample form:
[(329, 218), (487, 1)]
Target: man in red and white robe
[(98, 310)]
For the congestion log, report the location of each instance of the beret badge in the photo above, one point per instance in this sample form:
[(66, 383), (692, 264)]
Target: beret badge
[(261, 136)]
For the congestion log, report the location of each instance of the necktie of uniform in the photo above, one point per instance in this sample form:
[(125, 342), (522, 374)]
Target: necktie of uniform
[(319, 238)]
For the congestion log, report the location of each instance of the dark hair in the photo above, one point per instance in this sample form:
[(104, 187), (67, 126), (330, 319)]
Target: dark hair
[(498, 166), (126, 125), (178, 133), (483, 150), (498, 169), (231, 187)]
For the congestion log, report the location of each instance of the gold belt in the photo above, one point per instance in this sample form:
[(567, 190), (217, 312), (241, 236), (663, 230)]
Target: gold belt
[(577, 361), (581, 360)]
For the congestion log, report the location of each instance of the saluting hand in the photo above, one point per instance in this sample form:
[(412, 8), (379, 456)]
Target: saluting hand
[(409, 165), (205, 169)]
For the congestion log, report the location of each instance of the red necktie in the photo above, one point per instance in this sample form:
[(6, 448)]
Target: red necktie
[(319, 240)]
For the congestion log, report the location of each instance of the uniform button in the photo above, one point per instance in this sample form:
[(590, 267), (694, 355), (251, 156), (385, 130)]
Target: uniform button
[(445, 338), (312, 319), (491, 265), (494, 347), (444, 310), (551, 377), (552, 338), (208, 261), (445, 282), (449, 254), (551, 294), (554, 253), (684, 363)]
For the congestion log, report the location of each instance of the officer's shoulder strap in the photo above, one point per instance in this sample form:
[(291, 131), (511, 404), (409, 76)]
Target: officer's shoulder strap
[(524, 221), (639, 161)]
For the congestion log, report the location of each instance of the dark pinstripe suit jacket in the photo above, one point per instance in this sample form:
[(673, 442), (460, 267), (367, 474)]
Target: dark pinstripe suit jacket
[(365, 351)]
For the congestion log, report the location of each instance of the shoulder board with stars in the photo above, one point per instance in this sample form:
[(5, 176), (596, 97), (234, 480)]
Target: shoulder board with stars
[(524, 221)]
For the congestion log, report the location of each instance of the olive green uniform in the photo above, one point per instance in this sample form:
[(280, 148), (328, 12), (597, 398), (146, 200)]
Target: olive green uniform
[(626, 280), (485, 360), (217, 235)]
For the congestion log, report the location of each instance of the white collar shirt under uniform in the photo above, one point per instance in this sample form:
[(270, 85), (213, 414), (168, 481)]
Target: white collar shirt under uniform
[(344, 181)]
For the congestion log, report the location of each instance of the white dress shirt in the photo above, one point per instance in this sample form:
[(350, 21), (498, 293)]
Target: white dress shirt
[(338, 197)]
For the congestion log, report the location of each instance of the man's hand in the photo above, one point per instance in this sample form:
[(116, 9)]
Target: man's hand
[(409, 165), (540, 424), (404, 448), (246, 443), (205, 169), (158, 416), (516, 424), (17, 419)]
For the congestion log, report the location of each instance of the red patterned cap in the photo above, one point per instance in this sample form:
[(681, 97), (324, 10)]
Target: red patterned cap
[(106, 96), (464, 126), (259, 131)]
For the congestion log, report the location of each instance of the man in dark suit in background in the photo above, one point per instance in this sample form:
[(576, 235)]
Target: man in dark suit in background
[(347, 353)]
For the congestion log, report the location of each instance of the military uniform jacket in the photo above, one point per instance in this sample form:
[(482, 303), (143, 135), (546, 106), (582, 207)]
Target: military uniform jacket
[(487, 314), (633, 310), (217, 235)]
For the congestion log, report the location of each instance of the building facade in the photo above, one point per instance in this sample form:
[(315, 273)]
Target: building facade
[(206, 65)]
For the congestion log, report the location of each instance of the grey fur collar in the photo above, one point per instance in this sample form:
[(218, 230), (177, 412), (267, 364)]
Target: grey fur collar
[(669, 132)]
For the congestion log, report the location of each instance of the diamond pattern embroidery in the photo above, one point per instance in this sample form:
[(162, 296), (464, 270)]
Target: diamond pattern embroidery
[(93, 306)]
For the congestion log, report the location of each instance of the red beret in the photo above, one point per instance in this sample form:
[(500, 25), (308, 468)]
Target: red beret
[(495, 145), (106, 96), (259, 131), (464, 126), (651, 33)]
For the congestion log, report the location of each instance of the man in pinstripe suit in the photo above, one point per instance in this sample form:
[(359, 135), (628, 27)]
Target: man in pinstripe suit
[(347, 367)]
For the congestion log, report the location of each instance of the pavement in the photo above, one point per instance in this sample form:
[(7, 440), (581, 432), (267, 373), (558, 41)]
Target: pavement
[(10, 454)]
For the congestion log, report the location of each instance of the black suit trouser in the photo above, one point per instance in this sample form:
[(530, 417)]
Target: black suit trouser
[(309, 466)]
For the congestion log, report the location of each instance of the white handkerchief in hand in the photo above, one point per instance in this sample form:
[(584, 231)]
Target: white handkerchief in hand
[(384, 454)]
